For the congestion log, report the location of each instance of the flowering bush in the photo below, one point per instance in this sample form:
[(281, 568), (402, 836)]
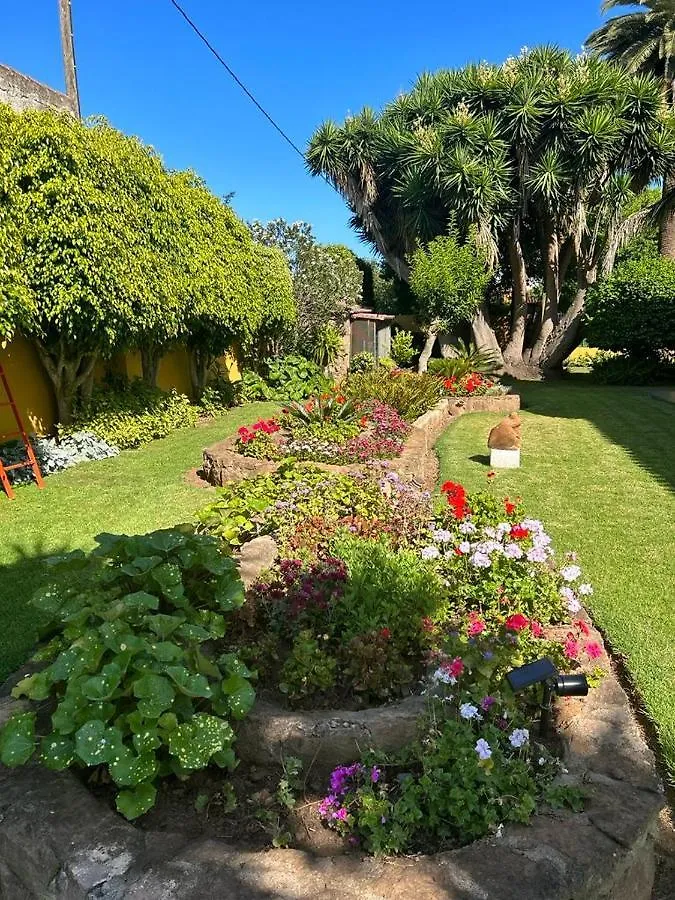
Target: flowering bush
[(473, 384), (256, 440)]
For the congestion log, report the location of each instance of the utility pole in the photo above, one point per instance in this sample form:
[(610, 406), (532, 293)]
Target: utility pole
[(68, 46)]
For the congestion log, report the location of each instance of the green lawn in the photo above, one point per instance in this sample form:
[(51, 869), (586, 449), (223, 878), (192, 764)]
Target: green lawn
[(137, 491), (598, 467)]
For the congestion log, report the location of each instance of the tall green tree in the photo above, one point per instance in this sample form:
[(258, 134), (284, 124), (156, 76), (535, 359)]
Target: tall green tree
[(535, 158), (327, 280), (643, 40)]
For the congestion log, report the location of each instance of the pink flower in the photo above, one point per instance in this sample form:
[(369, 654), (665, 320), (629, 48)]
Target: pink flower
[(454, 668), (571, 647), (583, 627), (476, 626), (536, 629), (593, 649)]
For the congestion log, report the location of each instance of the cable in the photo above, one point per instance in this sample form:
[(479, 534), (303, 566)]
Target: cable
[(241, 84)]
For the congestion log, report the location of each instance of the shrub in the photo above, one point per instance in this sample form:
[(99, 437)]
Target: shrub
[(466, 358), (54, 456), (619, 369), (586, 357), (409, 393), (402, 349), (129, 683), (220, 393), (128, 414), (633, 309), (327, 345), (288, 378), (363, 362)]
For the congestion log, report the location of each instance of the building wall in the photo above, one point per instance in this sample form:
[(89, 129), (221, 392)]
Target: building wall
[(33, 392), (21, 92)]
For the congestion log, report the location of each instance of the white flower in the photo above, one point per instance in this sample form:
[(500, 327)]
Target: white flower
[(570, 573), (467, 528), (500, 830), (519, 736), (566, 593), (468, 711), (533, 525), (430, 553), (490, 532), (442, 536), (481, 560), (513, 551), (585, 589), (483, 749), (541, 761), (573, 605), (464, 547), (536, 554), (443, 676)]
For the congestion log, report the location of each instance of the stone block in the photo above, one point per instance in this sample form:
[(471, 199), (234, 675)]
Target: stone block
[(504, 459)]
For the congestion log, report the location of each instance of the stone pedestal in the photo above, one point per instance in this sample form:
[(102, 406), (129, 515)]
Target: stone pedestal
[(504, 459)]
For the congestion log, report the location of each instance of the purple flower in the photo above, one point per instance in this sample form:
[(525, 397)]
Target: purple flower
[(327, 804), (487, 702), (375, 774), (340, 814), (483, 749), (519, 737)]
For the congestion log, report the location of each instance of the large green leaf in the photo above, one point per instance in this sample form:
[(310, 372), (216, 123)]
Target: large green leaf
[(17, 739), (241, 695), (155, 695), (190, 685), (133, 804), (102, 687), (128, 769), (57, 752), (96, 743), (194, 743)]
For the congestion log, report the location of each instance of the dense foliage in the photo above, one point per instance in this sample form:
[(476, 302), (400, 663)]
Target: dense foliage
[(55, 456), (633, 309), (129, 686), (285, 378), (128, 414), (103, 250), (327, 280), (410, 394)]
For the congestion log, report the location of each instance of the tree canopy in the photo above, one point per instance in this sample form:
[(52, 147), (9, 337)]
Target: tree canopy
[(534, 157), (102, 249)]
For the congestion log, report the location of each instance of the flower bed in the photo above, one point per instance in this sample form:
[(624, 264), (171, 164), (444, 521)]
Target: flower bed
[(473, 384)]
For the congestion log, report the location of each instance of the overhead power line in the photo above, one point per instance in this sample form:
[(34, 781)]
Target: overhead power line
[(233, 74)]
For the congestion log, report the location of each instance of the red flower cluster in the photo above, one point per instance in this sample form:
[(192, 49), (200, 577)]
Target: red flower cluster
[(467, 384), (518, 533), (517, 622), (264, 426), (476, 625), (456, 496), (454, 668), (509, 506)]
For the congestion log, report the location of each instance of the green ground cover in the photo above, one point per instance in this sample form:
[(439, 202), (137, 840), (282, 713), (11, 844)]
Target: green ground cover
[(135, 492), (598, 467)]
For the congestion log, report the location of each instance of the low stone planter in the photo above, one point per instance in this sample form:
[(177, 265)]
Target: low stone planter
[(58, 842)]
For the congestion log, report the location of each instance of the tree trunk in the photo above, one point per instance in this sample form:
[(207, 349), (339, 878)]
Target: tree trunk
[(667, 224), (200, 363), (69, 375), (448, 349), (483, 336), (513, 352), (425, 355), (150, 357), (549, 315), (564, 338)]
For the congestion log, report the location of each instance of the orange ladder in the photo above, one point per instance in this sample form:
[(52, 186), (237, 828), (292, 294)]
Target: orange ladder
[(21, 432)]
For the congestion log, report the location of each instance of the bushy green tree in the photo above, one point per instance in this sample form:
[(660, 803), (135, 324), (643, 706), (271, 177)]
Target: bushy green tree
[(449, 281), (327, 280), (15, 306), (633, 309)]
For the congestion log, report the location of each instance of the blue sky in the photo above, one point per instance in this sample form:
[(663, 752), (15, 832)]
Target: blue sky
[(141, 67)]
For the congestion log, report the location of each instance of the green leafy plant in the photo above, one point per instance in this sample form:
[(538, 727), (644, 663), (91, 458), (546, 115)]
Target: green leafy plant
[(466, 358), (128, 680), (331, 406), (327, 345), (362, 362), (621, 369), (308, 671), (402, 350), (285, 379), (130, 413), (409, 393)]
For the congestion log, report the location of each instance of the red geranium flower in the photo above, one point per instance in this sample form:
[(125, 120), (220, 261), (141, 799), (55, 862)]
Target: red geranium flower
[(476, 626), (517, 622), (518, 533), (385, 633), (455, 668), (536, 629), (583, 627), (509, 506)]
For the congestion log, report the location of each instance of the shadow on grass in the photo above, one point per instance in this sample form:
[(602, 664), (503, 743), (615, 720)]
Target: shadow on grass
[(20, 622), (627, 416)]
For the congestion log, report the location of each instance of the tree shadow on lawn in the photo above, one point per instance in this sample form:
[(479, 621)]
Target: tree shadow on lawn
[(627, 416), (19, 621)]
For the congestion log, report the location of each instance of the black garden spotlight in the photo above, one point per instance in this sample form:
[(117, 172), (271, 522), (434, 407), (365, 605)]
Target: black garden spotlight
[(542, 671)]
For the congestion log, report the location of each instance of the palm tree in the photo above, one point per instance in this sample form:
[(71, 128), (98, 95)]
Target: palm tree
[(532, 159), (644, 41)]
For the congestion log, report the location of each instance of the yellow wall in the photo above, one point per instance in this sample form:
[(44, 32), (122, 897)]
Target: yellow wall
[(33, 391)]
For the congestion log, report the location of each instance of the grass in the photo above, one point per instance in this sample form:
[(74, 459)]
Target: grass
[(598, 465), (137, 491)]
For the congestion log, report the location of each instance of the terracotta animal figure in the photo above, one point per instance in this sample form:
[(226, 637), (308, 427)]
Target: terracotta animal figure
[(506, 435)]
